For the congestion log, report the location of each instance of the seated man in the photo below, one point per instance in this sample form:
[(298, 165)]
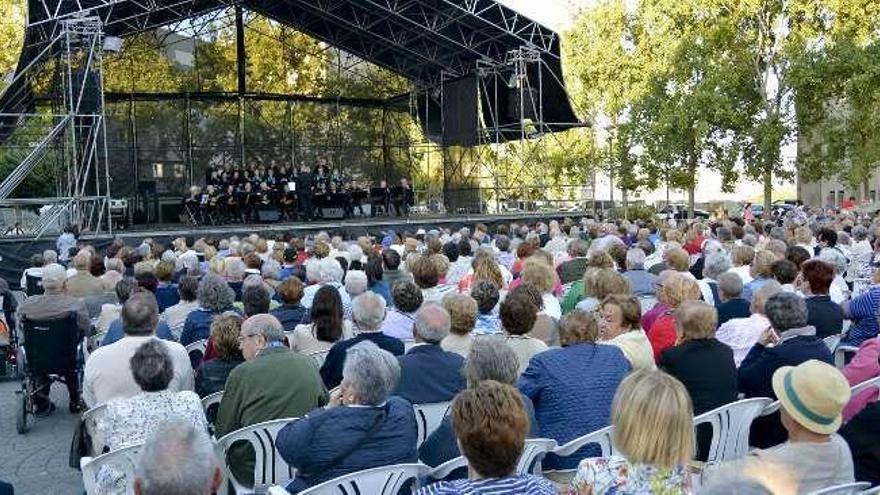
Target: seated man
[(732, 305), (108, 372), (124, 289), (51, 305), (812, 396), (83, 283), (368, 310), (178, 458), (643, 282), (428, 373), (272, 383)]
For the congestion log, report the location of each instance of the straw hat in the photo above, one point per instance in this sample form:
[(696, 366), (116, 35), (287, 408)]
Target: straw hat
[(813, 393)]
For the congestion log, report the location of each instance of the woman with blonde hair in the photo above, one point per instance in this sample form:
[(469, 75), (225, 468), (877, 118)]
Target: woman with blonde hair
[(675, 289), (538, 273), (575, 293), (484, 267), (652, 459), (601, 284)]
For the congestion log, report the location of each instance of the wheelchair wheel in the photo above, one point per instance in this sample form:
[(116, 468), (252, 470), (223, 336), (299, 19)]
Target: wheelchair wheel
[(22, 413)]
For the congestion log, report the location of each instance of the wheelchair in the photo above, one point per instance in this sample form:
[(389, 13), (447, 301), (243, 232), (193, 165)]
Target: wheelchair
[(50, 348)]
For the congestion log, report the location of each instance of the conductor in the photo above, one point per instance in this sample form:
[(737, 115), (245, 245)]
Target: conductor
[(305, 184)]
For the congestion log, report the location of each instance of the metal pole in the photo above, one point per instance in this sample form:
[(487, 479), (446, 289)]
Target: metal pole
[(187, 123), (241, 62)]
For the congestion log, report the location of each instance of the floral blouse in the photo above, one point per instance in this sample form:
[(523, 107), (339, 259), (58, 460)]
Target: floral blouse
[(615, 475)]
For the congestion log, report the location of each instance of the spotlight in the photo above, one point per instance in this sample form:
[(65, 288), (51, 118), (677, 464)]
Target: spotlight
[(112, 44)]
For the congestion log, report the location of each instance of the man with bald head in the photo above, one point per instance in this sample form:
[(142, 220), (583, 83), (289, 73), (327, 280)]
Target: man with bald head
[(83, 283), (428, 373), (272, 383)]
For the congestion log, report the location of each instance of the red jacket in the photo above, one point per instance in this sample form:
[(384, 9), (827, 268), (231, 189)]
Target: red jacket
[(662, 334)]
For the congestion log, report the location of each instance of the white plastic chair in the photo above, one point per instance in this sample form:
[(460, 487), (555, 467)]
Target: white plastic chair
[(730, 428), (533, 452), (871, 382), (407, 345), (318, 357), (429, 417), (199, 345), (840, 355), (123, 461), (212, 399), (602, 438), (770, 408), (871, 491), (90, 419), (444, 470), (277, 490), (831, 341), (385, 480), (845, 489), (270, 468)]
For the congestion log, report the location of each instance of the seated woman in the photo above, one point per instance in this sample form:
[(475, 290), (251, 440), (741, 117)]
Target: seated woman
[(291, 313), (518, 314), (462, 311), (619, 326), (214, 296), (652, 459), (572, 387), (676, 289), (211, 375), (704, 365), (361, 428), (865, 365), (487, 360), (130, 421), (490, 424), (327, 326)]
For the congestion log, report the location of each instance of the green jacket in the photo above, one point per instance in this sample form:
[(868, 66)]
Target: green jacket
[(276, 384), (574, 295)]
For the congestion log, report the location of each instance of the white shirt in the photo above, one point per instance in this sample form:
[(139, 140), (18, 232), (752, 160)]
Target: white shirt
[(552, 308), (743, 272), (741, 334), (108, 372), (175, 316), (34, 271)]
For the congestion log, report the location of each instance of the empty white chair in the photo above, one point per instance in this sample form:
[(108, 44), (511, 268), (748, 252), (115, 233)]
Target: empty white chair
[(601, 438), (123, 461), (270, 468), (429, 417), (90, 419), (385, 480), (846, 489), (730, 427), (533, 452), (840, 354)]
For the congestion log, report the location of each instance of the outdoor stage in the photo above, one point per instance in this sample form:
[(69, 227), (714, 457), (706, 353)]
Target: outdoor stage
[(16, 251)]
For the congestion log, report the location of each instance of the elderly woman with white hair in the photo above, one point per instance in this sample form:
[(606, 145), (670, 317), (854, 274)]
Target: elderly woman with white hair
[(326, 271), (715, 263), (214, 297), (363, 427), (838, 291), (355, 282)]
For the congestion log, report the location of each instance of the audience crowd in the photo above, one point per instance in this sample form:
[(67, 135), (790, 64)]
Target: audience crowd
[(547, 330)]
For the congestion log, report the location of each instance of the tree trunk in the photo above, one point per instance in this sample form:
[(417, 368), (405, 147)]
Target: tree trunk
[(692, 165), (768, 190)]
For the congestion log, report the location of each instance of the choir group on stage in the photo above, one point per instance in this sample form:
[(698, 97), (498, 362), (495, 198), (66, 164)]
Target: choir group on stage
[(268, 194)]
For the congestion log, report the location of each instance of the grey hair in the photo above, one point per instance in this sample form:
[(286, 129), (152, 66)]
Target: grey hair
[(368, 310), (730, 284), (215, 294), (768, 290), (252, 280), (190, 261), (50, 256), (724, 234), (271, 270), (355, 282), (329, 270), (140, 314), (834, 258), (125, 288), (266, 325), (115, 265), (577, 248), (491, 359), (786, 310), (255, 300), (235, 269), (635, 258), (312, 265), (432, 323), (372, 373), (716, 264), (750, 240), (151, 366), (177, 458), (860, 233)]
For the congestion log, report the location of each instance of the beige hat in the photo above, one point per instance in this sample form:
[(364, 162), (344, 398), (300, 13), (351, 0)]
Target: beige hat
[(814, 394)]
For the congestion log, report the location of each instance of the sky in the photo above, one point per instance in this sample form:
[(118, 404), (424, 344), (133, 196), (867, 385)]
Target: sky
[(560, 15)]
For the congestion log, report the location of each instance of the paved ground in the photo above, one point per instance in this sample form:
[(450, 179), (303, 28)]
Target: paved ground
[(37, 462)]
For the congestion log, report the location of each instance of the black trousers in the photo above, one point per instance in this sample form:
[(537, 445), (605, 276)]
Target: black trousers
[(42, 385), (306, 207)]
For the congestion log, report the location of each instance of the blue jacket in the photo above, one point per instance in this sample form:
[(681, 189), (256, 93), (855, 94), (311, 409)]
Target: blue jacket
[(825, 315), (429, 374), (572, 389), (167, 296), (644, 283), (733, 308), (755, 374), (116, 333), (381, 288), (331, 370), (328, 443), (290, 316), (441, 445), (197, 326)]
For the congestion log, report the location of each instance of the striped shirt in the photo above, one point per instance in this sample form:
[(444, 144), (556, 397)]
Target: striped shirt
[(863, 310), (513, 485)]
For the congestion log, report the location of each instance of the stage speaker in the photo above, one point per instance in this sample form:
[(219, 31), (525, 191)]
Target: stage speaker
[(268, 215), (333, 213)]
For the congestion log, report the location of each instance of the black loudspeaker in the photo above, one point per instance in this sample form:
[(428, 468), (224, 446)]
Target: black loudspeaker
[(333, 213), (146, 187), (267, 215)]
